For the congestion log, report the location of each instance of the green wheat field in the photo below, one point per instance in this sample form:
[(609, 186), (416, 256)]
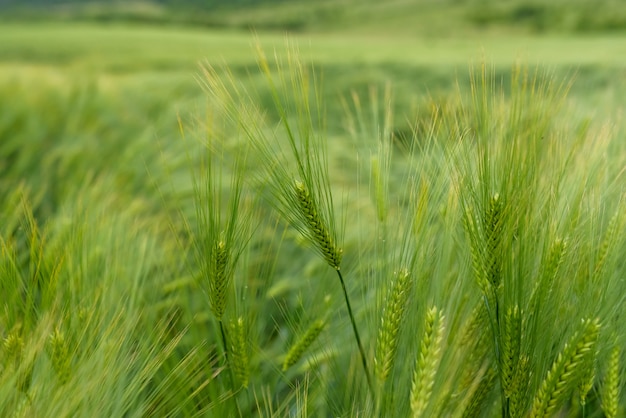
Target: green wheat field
[(313, 209)]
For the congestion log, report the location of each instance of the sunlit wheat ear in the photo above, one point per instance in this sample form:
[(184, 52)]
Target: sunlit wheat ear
[(511, 339), (297, 350), (317, 228), (566, 370), (239, 351), (218, 282), (60, 355), (392, 316), (427, 362), (609, 395)]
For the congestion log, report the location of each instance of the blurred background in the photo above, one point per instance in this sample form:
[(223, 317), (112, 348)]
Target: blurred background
[(88, 85)]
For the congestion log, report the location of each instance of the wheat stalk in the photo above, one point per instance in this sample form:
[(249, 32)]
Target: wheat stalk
[(379, 190)]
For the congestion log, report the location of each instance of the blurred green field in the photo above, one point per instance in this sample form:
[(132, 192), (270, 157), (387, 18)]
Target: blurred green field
[(121, 81), (104, 125), (166, 60)]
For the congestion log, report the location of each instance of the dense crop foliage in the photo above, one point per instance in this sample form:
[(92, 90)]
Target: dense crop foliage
[(281, 239)]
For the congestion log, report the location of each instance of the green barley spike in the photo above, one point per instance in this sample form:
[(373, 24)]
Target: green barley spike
[(476, 405), (218, 284), (493, 237), (239, 351), (609, 239), (60, 355), (469, 222), (587, 379), (13, 347), (510, 350), (317, 227), (611, 386), (550, 269), (392, 316), (565, 371), (296, 350), (517, 399), (427, 362)]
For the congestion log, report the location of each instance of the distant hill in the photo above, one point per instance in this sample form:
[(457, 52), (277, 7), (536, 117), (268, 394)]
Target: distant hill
[(425, 17)]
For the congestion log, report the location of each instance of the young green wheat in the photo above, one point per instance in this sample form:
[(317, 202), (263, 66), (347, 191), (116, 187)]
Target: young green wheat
[(303, 343), (317, 227), (427, 362), (566, 370), (611, 385), (392, 316)]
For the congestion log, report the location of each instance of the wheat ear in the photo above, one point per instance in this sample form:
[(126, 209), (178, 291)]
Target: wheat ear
[(427, 361), (60, 356), (317, 226), (610, 236), (474, 340), (320, 235), (392, 315), (511, 340), (218, 283), (566, 370), (493, 237), (587, 378), (300, 346), (239, 351), (550, 269), (611, 385), (476, 404), (13, 350), (517, 399)]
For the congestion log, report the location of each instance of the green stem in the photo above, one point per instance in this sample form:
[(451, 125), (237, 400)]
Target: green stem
[(231, 374), (356, 334)]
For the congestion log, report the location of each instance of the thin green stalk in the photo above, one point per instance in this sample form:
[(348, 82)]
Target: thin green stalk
[(231, 374), (356, 334), (224, 347)]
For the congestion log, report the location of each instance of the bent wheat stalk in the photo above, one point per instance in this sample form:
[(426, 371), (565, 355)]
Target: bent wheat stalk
[(321, 238)]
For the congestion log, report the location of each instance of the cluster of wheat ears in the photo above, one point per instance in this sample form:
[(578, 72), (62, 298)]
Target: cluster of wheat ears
[(479, 265), (535, 333)]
